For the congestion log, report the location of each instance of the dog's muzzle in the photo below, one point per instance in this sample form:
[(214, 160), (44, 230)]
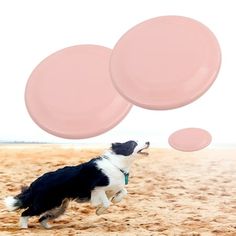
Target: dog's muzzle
[(142, 152)]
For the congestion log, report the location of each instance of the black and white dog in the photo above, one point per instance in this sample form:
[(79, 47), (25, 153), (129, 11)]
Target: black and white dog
[(101, 181)]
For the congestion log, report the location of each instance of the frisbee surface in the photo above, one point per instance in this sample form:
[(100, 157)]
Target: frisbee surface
[(190, 139), (70, 93), (165, 62)]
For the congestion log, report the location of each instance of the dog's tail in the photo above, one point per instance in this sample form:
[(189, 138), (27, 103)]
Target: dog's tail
[(17, 202), (12, 203)]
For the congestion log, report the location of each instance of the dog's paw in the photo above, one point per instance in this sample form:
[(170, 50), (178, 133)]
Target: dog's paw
[(119, 196), (23, 227), (24, 222), (116, 199), (101, 210), (45, 224)]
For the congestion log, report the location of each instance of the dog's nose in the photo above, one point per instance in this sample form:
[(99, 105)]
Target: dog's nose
[(147, 143)]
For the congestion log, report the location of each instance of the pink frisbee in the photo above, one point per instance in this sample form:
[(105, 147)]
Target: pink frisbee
[(70, 93), (190, 139), (165, 62)]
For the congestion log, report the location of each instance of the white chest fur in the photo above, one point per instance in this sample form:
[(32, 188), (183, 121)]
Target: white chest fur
[(116, 177), (113, 166)]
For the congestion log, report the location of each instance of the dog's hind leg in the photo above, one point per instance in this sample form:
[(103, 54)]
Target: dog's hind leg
[(53, 214), (24, 222), (31, 211)]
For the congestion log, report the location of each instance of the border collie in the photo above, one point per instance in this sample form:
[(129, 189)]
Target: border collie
[(100, 181)]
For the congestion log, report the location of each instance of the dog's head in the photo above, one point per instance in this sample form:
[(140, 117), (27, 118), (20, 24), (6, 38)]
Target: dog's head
[(130, 148)]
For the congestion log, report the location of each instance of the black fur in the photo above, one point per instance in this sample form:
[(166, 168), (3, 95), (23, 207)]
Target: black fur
[(49, 190), (124, 149)]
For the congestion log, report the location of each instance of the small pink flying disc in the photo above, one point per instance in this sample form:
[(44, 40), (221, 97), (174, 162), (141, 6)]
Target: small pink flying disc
[(70, 93), (190, 139), (165, 62)]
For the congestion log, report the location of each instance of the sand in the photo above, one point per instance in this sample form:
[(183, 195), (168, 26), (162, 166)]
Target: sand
[(170, 193)]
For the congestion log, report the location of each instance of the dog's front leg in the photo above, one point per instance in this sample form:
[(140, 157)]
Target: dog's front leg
[(119, 195), (99, 199)]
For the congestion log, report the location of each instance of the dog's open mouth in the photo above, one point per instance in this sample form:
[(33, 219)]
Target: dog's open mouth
[(143, 152)]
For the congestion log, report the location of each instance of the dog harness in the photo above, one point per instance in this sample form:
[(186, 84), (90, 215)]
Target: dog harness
[(126, 174)]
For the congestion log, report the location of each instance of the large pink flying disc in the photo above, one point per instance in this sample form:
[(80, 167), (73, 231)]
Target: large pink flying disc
[(70, 93), (190, 139), (165, 62)]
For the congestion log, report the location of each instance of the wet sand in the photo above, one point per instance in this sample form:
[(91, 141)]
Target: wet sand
[(169, 193)]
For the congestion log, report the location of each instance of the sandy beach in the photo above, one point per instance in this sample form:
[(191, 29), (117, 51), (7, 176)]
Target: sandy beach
[(169, 193)]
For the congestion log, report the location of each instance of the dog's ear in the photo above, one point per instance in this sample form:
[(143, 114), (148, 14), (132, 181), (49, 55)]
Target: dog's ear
[(115, 145)]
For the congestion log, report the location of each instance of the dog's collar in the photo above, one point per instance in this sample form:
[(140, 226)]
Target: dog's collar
[(126, 174)]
